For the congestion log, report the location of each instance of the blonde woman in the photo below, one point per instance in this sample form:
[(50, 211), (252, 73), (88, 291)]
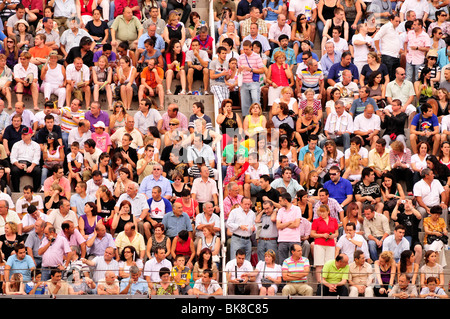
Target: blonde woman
[(354, 169), (385, 270), (255, 121), (102, 79)]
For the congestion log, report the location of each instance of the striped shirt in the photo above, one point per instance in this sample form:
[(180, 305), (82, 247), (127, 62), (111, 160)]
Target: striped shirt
[(67, 124), (298, 266), (254, 62), (310, 80)]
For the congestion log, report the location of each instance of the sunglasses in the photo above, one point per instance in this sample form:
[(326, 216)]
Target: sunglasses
[(172, 124)]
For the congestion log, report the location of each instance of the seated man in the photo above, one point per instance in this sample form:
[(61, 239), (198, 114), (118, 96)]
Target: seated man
[(360, 104), (429, 192), (404, 289), (253, 174), (336, 72), (367, 126), (24, 158), (295, 270), (26, 78), (367, 191), (425, 127), (152, 77), (78, 78), (334, 277), (126, 27), (348, 88), (376, 229), (360, 277), (338, 126), (197, 61), (239, 273), (351, 241), (206, 285)]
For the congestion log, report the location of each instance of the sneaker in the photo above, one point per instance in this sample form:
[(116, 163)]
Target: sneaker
[(183, 92), (168, 92), (206, 93), (189, 93)]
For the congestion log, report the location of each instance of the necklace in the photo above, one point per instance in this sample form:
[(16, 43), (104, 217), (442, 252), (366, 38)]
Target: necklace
[(382, 5)]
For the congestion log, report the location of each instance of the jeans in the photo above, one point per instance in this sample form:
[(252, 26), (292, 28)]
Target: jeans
[(186, 10), (250, 93), (265, 245), (238, 243), (392, 64), (412, 71), (65, 139), (373, 249), (44, 174)]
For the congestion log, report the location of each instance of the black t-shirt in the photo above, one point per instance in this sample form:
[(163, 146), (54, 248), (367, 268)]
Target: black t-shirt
[(55, 205), (8, 245), (95, 31), (12, 135), (411, 223), (132, 153), (373, 189), (88, 58), (107, 208), (272, 194)]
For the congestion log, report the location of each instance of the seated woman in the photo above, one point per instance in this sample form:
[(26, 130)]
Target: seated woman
[(195, 24), (391, 191), (157, 240), (435, 227), (287, 96), (129, 257), (354, 169), (175, 60), (377, 89), (332, 156), (271, 10), (310, 101), (441, 103), (102, 76), (125, 80), (400, 160), (236, 173), (11, 51), (424, 86), (300, 31), (183, 244), (122, 217), (174, 30), (431, 268), (15, 286), (307, 124), (335, 95), (89, 220), (23, 36), (286, 148), (232, 34), (254, 122), (53, 76), (279, 76), (441, 171), (281, 116), (204, 261), (98, 29)]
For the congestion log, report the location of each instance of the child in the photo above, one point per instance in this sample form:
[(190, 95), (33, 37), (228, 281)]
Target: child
[(36, 286), (74, 162), (181, 274), (101, 137), (77, 263), (432, 291)]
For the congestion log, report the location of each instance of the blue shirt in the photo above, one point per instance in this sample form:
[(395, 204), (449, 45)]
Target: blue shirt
[(79, 203), (244, 6), (425, 123), (326, 63), (159, 44), (318, 152), (141, 286), (339, 191), (335, 72), (300, 57), (289, 53), (21, 266), (174, 224), (149, 182), (358, 106), (442, 59)]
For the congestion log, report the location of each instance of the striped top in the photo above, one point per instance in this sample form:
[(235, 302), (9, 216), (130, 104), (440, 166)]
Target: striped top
[(298, 266), (254, 62), (310, 80), (68, 124)]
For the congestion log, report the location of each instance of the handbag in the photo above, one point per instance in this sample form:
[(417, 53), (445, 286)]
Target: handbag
[(255, 76), (432, 238), (264, 281)]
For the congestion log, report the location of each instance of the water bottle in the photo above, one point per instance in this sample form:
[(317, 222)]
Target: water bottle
[(193, 3)]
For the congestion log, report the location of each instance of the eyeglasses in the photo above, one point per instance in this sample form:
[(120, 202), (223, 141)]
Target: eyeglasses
[(172, 124), (439, 33), (333, 174), (303, 18)]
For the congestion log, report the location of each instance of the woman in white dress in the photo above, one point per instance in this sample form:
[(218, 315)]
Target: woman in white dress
[(53, 78)]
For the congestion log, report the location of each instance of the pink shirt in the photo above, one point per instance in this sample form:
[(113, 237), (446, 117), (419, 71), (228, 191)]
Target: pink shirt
[(416, 57), (63, 182), (254, 62), (53, 256), (102, 141), (289, 234)]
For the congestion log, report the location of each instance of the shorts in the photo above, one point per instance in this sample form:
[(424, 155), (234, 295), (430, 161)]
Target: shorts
[(184, 290), (198, 75), (26, 90), (322, 254)]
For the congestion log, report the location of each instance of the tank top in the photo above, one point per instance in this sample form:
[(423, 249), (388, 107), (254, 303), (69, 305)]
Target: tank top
[(252, 125), (183, 248), (156, 244), (175, 33), (88, 229), (328, 12), (121, 224), (54, 76), (442, 111), (385, 275), (229, 123), (350, 12), (279, 75)]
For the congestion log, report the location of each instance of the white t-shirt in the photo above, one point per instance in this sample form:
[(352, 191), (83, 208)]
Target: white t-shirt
[(302, 6), (430, 195), (363, 152), (231, 268), (364, 124), (340, 46), (256, 173), (360, 51)]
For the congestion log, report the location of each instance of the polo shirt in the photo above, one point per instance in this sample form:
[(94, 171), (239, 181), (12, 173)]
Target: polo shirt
[(422, 39), (430, 194), (138, 203), (229, 153), (78, 202), (292, 188), (321, 227), (358, 106), (348, 248), (100, 244), (254, 61), (283, 216), (293, 266), (174, 224), (340, 190), (142, 122), (152, 267), (318, 153), (332, 274), (53, 256), (21, 266), (289, 53), (123, 241), (204, 191), (103, 116), (149, 182), (126, 31), (141, 286), (335, 72)]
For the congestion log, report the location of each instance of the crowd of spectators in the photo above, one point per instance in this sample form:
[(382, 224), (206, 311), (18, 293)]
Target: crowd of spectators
[(321, 181)]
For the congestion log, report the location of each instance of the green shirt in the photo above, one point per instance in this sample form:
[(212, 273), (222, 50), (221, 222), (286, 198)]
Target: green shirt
[(126, 31), (228, 152), (332, 274)]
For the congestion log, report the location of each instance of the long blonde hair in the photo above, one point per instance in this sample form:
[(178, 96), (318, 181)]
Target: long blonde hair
[(308, 160), (354, 163)]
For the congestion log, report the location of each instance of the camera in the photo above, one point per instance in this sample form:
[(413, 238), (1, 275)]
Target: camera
[(266, 226), (53, 240)]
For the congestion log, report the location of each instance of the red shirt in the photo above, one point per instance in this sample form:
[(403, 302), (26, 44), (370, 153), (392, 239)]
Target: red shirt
[(321, 227)]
